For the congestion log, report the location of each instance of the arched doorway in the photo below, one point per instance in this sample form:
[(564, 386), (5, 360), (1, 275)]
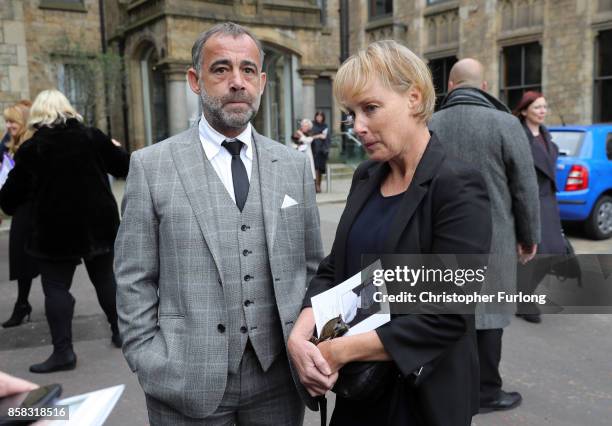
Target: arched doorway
[(154, 105)]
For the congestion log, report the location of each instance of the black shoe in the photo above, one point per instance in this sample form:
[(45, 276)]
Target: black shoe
[(533, 318), (56, 362), (21, 312), (504, 401), (116, 340)]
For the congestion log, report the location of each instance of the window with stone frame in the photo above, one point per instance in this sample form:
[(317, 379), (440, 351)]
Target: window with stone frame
[(605, 5), (380, 8), (602, 95), (69, 5), (521, 70), (440, 69), (76, 82)]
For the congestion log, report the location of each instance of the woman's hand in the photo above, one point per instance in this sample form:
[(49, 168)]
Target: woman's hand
[(330, 349), (360, 347)]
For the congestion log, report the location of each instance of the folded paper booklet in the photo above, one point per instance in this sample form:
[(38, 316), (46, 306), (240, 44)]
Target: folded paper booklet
[(354, 301), (90, 409)]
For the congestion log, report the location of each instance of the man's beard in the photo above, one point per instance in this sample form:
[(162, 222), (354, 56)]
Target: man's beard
[(221, 119)]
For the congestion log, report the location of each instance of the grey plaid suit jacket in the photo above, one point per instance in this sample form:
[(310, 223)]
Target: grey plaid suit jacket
[(169, 290)]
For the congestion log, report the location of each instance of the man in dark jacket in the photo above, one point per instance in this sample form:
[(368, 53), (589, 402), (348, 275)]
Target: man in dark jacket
[(479, 129)]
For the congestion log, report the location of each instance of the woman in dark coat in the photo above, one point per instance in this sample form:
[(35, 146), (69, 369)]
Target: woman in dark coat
[(409, 198), (532, 111), (22, 266), (63, 170), (320, 147)]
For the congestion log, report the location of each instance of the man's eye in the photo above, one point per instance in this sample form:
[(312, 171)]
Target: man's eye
[(249, 70), (219, 70)]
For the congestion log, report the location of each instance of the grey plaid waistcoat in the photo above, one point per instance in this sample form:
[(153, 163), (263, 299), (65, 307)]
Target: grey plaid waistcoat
[(245, 272)]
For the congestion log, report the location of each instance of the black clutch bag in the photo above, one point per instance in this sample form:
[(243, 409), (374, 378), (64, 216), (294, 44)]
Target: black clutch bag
[(363, 380), (567, 265)]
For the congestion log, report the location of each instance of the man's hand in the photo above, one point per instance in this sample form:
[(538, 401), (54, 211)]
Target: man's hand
[(10, 385), (526, 252), (315, 373)]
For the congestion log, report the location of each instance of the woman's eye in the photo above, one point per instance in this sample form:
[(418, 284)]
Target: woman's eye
[(370, 108)]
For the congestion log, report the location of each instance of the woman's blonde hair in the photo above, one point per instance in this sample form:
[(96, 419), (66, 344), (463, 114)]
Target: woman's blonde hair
[(395, 66), (51, 108), (19, 114)]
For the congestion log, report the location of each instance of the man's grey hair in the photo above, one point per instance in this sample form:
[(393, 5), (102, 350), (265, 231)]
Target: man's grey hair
[(225, 28)]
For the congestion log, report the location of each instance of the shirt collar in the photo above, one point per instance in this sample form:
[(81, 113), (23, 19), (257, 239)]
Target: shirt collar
[(212, 139)]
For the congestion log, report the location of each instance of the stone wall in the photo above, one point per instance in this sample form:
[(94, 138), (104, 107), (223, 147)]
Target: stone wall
[(566, 29), (14, 84), (54, 36)]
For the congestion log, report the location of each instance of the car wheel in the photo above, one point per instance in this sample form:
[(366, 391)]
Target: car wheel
[(599, 223)]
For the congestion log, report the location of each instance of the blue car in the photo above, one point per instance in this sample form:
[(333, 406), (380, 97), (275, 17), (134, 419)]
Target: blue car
[(584, 176)]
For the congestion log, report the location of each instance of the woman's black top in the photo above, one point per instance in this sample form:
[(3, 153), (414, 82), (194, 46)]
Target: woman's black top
[(370, 230)]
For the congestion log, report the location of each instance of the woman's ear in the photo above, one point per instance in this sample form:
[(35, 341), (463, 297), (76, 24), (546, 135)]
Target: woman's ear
[(415, 98)]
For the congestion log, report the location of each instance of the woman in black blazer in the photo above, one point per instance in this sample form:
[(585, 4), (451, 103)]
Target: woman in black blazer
[(409, 198), (532, 111), (63, 170)]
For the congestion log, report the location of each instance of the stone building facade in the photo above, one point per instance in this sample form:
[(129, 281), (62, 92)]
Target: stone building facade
[(562, 47), (300, 39), (124, 66), (51, 44)]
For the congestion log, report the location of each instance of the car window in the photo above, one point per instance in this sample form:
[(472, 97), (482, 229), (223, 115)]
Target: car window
[(569, 143), (609, 146)]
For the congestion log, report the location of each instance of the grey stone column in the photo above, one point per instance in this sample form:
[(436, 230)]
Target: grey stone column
[(308, 94), (176, 96)]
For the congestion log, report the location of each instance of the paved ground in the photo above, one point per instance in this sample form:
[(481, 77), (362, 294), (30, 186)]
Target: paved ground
[(562, 367)]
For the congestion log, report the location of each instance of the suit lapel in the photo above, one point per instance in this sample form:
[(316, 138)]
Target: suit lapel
[(189, 159), (425, 171), (270, 181), (362, 191)]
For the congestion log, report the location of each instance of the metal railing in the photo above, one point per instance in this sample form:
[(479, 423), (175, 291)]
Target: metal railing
[(345, 148)]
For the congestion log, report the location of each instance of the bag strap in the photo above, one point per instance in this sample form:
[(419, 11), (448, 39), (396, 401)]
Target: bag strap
[(322, 409)]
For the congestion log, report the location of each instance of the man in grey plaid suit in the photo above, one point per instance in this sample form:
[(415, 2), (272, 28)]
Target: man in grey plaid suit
[(219, 238)]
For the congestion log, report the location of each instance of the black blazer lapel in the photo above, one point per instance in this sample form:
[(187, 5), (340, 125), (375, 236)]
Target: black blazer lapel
[(424, 173), (363, 189)]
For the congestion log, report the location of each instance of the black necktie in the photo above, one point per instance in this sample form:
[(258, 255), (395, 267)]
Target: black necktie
[(239, 173)]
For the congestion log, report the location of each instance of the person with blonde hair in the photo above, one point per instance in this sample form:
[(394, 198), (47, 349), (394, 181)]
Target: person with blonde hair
[(63, 170), (410, 197), (22, 266)]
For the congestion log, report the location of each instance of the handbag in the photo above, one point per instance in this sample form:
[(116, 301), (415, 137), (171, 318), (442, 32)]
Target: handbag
[(364, 380), (567, 265)]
